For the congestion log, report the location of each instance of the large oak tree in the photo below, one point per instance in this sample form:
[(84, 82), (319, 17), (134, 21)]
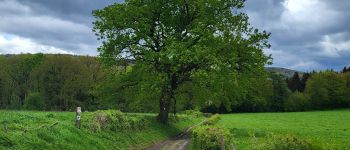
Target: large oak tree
[(207, 43)]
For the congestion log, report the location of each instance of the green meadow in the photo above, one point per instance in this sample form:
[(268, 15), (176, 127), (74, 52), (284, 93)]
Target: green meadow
[(56, 130), (328, 129)]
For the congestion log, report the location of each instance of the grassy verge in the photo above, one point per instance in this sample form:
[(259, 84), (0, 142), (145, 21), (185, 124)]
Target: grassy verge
[(56, 130), (328, 129)]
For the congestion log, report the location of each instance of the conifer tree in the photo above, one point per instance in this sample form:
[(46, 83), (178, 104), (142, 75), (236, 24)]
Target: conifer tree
[(294, 83)]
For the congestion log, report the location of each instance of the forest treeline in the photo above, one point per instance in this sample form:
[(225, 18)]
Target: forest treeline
[(301, 92), (62, 82), (48, 82)]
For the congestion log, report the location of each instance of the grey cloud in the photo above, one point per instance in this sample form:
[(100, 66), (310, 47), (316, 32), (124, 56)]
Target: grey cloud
[(73, 10), (64, 24), (316, 37), (305, 38)]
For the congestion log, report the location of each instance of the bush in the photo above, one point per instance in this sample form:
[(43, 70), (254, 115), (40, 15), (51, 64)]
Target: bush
[(212, 120), (296, 102), (34, 101), (210, 138), (246, 133), (193, 113), (286, 142), (114, 120), (207, 115)]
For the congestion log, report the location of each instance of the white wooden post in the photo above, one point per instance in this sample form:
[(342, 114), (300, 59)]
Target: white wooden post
[(222, 141), (5, 126), (78, 113)]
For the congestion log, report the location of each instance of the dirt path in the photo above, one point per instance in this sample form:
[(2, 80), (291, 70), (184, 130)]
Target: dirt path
[(180, 142)]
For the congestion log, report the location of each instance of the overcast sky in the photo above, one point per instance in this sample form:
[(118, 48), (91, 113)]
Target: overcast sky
[(306, 34)]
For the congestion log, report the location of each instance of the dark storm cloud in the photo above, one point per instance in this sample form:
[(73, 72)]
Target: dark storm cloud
[(73, 10), (62, 24), (306, 34)]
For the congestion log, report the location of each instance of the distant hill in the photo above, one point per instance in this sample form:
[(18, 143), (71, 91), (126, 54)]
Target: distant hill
[(284, 71)]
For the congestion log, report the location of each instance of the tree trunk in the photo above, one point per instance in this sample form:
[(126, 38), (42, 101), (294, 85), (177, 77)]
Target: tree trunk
[(167, 96), (174, 82), (174, 109), (164, 105)]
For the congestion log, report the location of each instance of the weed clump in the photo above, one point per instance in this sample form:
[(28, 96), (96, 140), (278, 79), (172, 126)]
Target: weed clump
[(49, 115), (285, 142), (114, 120), (212, 120), (5, 141), (211, 138), (193, 113)]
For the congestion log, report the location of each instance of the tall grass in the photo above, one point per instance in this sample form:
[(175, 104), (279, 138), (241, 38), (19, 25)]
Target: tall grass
[(56, 130)]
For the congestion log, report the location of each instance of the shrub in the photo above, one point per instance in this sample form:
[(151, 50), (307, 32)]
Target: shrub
[(286, 142), (114, 120), (296, 102), (212, 120), (245, 133), (207, 115), (193, 113), (34, 101), (210, 138)]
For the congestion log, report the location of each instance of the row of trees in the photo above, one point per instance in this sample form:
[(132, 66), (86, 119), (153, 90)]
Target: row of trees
[(61, 82), (328, 89), (345, 69), (268, 92), (313, 91), (51, 82), (265, 92), (298, 81)]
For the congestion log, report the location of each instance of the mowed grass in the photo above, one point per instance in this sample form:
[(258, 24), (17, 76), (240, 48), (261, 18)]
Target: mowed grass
[(329, 129), (56, 130)]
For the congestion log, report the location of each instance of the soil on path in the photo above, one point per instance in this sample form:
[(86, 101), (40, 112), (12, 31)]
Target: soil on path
[(180, 142)]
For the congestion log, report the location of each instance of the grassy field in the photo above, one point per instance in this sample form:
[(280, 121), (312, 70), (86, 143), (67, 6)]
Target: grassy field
[(56, 130), (329, 129)]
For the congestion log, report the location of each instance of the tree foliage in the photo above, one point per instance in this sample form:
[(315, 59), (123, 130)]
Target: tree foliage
[(294, 83), (207, 43), (297, 102), (303, 81), (64, 81), (34, 101), (328, 90), (280, 92)]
